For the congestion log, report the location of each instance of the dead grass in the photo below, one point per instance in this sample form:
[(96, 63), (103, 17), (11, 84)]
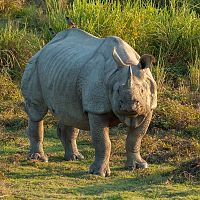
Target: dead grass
[(187, 171), (168, 147), (10, 5)]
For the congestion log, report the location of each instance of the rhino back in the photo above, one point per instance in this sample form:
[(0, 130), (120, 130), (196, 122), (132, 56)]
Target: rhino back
[(60, 64)]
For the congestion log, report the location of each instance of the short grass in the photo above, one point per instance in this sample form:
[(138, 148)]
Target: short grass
[(58, 179), (166, 150)]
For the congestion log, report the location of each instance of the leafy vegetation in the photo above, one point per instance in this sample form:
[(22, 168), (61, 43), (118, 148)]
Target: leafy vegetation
[(171, 31)]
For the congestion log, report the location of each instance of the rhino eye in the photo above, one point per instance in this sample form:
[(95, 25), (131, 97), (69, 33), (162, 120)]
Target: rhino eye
[(118, 91)]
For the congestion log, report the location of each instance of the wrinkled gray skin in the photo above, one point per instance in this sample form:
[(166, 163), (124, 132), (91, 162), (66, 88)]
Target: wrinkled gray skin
[(92, 84)]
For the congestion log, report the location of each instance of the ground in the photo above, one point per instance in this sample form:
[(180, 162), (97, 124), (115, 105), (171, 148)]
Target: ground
[(59, 179)]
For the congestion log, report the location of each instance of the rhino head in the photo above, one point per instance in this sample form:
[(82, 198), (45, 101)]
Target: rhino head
[(132, 90)]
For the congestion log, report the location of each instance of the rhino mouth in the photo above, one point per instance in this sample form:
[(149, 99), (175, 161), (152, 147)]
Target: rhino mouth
[(131, 114), (134, 121)]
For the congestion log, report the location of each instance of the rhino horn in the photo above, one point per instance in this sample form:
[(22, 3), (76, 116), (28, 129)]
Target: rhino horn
[(130, 72), (146, 61), (117, 59), (130, 76)]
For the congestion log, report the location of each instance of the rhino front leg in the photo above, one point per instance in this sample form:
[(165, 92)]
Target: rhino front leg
[(68, 136), (101, 141), (133, 143), (36, 135)]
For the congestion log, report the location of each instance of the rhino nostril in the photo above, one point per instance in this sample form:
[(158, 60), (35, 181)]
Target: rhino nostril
[(120, 103), (136, 105)]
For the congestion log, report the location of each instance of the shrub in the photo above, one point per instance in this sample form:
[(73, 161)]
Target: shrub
[(8, 90)]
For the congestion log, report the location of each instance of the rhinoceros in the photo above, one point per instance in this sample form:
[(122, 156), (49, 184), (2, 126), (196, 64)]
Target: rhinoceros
[(89, 83)]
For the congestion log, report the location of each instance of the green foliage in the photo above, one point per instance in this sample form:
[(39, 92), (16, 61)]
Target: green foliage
[(8, 90), (11, 106), (160, 74), (170, 32), (173, 30), (16, 47), (30, 17)]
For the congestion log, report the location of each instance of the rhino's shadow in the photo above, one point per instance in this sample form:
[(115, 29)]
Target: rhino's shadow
[(144, 185)]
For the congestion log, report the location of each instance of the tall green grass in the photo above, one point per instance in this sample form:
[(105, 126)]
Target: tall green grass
[(16, 47), (174, 29), (171, 32)]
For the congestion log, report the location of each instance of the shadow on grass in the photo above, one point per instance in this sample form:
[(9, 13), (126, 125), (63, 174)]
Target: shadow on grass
[(148, 183), (56, 166), (45, 174), (151, 186)]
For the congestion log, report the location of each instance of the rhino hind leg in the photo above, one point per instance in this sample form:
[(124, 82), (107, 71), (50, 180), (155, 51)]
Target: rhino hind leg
[(36, 113), (68, 136), (36, 134), (133, 144)]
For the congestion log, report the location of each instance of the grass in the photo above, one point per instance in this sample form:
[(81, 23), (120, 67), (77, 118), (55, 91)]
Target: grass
[(17, 46), (195, 75), (59, 179), (172, 33)]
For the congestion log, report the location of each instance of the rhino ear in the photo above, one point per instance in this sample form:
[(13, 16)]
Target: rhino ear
[(146, 61), (117, 59)]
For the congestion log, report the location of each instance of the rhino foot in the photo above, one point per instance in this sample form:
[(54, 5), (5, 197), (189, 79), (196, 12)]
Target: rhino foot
[(75, 156), (137, 165), (37, 157), (142, 165), (98, 170)]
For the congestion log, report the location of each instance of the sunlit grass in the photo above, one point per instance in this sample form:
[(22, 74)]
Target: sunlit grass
[(62, 180), (16, 47), (194, 74), (172, 29)]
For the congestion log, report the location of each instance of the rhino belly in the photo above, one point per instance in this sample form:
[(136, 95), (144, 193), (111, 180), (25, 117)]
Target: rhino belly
[(69, 113)]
